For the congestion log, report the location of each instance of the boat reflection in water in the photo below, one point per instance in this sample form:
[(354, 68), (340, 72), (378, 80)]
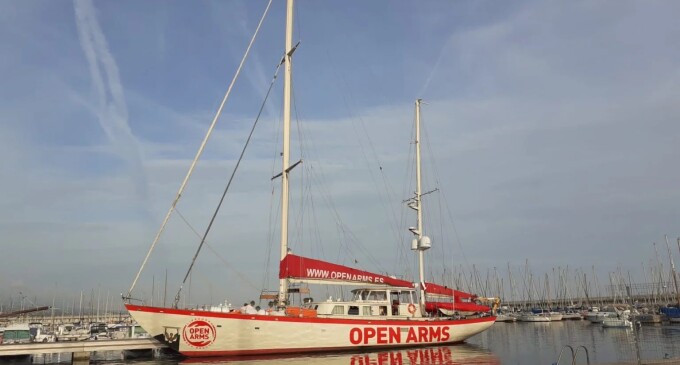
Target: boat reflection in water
[(444, 355)]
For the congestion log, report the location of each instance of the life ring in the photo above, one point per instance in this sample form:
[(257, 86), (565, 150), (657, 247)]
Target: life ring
[(411, 308)]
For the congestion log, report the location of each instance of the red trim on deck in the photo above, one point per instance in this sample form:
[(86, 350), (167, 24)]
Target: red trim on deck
[(357, 321)]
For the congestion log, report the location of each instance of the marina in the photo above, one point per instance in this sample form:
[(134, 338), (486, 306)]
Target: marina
[(361, 183), (608, 334), (504, 343)]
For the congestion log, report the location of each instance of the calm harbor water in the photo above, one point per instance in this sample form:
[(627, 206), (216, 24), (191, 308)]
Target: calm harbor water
[(504, 343)]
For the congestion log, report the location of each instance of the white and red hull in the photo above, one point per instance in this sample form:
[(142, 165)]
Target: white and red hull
[(197, 333)]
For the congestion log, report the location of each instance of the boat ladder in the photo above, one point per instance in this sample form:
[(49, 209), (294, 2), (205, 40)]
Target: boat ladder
[(573, 354)]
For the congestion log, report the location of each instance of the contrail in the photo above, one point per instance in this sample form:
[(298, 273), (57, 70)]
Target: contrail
[(434, 68), (112, 110)]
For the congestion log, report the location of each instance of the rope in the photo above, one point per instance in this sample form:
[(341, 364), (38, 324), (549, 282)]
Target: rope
[(231, 178), (212, 249), (198, 153)]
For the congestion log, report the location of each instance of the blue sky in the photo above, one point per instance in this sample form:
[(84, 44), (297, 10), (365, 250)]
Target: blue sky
[(553, 128)]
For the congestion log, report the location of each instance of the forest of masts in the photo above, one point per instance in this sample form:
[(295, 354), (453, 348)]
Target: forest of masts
[(96, 305), (516, 286), (565, 286)]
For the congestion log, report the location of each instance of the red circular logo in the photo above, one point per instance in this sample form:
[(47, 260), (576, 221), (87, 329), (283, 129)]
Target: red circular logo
[(199, 333)]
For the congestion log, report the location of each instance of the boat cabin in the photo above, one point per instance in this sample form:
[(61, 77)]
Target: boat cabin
[(372, 303), (17, 333)]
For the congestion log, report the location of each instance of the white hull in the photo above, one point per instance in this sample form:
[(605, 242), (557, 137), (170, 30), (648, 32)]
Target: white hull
[(533, 318), (555, 316), (598, 317), (567, 316), (199, 333), (505, 318), (451, 313)]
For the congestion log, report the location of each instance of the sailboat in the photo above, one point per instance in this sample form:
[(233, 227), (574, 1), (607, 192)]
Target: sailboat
[(384, 312)]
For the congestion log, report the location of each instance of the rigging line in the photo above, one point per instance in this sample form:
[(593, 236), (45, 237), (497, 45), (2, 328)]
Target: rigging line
[(231, 178), (381, 192), (212, 249), (435, 172), (343, 229), (382, 199), (405, 258), (388, 192), (300, 216), (306, 191), (311, 174), (329, 201), (270, 233), (274, 214), (316, 224), (326, 197), (448, 208), (199, 152)]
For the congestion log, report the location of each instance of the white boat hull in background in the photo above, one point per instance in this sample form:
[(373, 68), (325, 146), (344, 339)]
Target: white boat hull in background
[(531, 317)]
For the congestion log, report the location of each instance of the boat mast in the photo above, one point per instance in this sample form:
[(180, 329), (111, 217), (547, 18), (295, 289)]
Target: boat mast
[(420, 242), (285, 155), (675, 278)]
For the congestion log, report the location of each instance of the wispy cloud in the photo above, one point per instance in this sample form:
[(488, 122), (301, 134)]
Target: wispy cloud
[(111, 109)]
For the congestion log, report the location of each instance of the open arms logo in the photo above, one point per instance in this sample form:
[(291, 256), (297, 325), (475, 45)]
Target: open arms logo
[(199, 333)]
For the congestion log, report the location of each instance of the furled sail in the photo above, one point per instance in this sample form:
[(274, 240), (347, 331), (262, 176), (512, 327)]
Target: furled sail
[(442, 291), (303, 269), (441, 297)]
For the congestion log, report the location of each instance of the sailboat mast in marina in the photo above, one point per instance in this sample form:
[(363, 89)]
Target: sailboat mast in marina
[(285, 155), (420, 243), (383, 312)]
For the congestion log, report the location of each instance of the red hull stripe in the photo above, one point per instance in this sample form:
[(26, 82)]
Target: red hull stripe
[(236, 315)]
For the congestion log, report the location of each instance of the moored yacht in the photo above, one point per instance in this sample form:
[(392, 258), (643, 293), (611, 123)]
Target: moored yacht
[(533, 317), (384, 311)]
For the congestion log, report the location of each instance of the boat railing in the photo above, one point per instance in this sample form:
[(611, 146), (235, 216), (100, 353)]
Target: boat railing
[(574, 354)]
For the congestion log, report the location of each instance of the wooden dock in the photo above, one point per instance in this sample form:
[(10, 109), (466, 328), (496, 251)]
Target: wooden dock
[(80, 349)]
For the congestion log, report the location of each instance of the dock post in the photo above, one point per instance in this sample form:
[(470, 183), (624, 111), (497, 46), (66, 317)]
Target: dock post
[(80, 358)]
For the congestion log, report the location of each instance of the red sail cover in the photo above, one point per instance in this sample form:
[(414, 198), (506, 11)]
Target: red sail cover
[(462, 307), (457, 303), (296, 267), (436, 289)]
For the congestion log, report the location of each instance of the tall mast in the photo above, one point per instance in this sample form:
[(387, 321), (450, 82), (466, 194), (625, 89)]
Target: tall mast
[(285, 156), (419, 192), (420, 242), (675, 278)]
